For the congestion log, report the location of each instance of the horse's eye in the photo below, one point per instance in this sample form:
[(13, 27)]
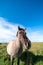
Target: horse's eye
[(25, 33), (19, 32)]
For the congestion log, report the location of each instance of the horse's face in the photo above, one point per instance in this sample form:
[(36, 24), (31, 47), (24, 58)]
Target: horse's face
[(21, 34), (27, 44)]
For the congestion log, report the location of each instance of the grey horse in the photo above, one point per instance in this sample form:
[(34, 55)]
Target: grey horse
[(15, 47)]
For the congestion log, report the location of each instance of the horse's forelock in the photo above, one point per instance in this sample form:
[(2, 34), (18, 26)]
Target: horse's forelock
[(21, 30)]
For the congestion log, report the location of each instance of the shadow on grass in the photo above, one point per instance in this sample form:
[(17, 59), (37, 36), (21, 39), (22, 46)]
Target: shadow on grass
[(27, 57), (30, 59)]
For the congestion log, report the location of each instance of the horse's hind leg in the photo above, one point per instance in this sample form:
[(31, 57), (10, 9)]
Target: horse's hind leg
[(12, 60)]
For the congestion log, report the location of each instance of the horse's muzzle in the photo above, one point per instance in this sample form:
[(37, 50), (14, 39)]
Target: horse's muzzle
[(29, 44)]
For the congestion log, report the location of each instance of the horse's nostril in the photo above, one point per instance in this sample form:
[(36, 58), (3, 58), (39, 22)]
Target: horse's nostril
[(25, 43), (29, 45)]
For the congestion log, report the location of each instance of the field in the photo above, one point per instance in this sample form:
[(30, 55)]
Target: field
[(34, 56)]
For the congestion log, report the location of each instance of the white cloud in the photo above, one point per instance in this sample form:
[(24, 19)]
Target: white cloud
[(8, 32), (35, 36)]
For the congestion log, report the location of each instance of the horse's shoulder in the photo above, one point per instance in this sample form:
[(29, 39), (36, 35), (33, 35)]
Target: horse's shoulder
[(13, 41)]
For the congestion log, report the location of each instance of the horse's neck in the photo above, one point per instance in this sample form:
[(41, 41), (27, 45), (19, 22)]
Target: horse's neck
[(20, 45), (18, 42)]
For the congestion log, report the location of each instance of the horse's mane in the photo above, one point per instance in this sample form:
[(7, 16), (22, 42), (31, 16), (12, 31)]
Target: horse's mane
[(21, 29)]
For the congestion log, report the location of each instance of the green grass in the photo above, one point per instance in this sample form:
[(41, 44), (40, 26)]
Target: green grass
[(34, 56)]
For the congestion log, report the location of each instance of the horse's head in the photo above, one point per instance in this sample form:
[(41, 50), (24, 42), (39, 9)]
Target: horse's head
[(21, 34)]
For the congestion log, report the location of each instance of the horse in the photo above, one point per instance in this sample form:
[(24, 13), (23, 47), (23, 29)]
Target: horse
[(15, 47)]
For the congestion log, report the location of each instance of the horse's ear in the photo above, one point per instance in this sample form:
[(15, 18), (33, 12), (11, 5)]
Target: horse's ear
[(25, 29), (17, 34), (18, 27)]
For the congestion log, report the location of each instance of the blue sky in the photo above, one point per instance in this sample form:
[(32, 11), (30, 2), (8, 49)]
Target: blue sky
[(27, 13)]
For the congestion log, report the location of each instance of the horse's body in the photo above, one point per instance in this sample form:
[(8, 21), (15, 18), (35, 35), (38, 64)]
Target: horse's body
[(15, 47)]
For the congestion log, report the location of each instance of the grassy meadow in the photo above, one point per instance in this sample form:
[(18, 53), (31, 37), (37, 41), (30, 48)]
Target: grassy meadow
[(34, 56)]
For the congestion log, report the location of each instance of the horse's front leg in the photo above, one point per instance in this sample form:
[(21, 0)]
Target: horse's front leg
[(12, 60), (18, 61)]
